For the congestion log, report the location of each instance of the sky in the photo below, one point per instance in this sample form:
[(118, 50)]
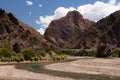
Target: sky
[(39, 13)]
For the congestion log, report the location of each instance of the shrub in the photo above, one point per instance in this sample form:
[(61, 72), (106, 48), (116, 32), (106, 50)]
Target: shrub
[(3, 59), (13, 58), (6, 51), (28, 54), (116, 53), (69, 52), (48, 49), (83, 53), (17, 59), (103, 50), (42, 53), (92, 53), (20, 56), (56, 58), (63, 57), (59, 57), (36, 58)]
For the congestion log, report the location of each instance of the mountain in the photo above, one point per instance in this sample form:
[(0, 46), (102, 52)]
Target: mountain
[(73, 31), (17, 34), (64, 31), (105, 32)]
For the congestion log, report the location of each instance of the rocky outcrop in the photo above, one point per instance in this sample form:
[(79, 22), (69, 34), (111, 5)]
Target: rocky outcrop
[(106, 31), (73, 31), (64, 31), (19, 35)]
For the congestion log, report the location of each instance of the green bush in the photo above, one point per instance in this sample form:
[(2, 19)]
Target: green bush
[(36, 58), (17, 59), (13, 58), (92, 53), (80, 53), (3, 59), (42, 53), (6, 51), (69, 52), (28, 54), (48, 49), (83, 53), (59, 57), (20, 56), (56, 58), (116, 53)]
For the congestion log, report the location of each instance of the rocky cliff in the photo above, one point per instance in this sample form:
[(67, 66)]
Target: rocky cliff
[(105, 32), (64, 31), (17, 34)]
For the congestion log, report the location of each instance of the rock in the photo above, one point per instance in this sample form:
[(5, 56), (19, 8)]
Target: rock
[(105, 31), (64, 31), (19, 35)]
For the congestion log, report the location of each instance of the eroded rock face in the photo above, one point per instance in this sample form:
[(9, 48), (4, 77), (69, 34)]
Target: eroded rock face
[(73, 31), (64, 31), (17, 34), (105, 31)]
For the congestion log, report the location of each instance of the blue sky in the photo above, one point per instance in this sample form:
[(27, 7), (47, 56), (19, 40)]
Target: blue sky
[(39, 13)]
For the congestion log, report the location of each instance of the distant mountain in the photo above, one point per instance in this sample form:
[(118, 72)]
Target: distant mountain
[(17, 34), (64, 31)]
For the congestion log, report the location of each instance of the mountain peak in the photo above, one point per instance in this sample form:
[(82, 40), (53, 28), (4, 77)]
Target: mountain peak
[(13, 31), (66, 29), (74, 14)]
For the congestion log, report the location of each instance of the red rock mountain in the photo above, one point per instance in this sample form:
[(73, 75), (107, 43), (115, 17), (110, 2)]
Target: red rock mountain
[(73, 31), (104, 32), (64, 31), (17, 34)]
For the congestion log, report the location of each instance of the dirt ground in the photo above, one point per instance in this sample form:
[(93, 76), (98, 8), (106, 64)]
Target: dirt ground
[(89, 66), (81, 65)]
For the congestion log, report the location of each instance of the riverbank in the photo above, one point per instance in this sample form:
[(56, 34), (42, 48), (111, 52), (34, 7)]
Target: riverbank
[(9, 72), (79, 68), (98, 66)]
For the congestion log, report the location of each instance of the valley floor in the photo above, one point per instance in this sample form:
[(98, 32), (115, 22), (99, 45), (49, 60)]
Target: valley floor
[(8, 72), (89, 66), (96, 66)]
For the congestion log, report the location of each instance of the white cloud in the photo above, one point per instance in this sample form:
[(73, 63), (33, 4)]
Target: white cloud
[(92, 12), (61, 11), (112, 2), (58, 13), (29, 3), (98, 10), (41, 31), (40, 5)]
